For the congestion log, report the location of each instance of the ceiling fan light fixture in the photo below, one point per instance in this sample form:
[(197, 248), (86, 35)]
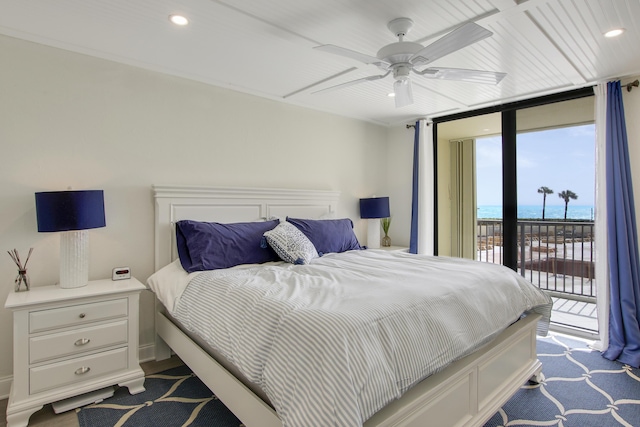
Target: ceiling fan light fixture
[(403, 93), (401, 71)]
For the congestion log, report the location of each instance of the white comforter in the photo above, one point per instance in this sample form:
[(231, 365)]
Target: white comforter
[(334, 341)]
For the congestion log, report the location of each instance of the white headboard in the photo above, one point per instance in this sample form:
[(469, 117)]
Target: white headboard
[(219, 204)]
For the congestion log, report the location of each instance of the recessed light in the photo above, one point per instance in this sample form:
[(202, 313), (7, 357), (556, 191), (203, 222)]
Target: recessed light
[(391, 95), (178, 20), (614, 33)]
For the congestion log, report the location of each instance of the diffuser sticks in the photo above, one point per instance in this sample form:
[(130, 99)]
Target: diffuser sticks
[(22, 276)]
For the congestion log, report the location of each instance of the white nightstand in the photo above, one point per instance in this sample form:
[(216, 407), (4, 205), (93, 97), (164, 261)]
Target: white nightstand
[(67, 342)]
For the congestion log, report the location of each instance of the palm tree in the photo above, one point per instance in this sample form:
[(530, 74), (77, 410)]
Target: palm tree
[(544, 191), (566, 195)]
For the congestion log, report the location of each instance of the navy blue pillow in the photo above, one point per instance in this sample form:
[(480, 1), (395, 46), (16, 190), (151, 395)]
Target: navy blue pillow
[(212, 245), (328, 235)]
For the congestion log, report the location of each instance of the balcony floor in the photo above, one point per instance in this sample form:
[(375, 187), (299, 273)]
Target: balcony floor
[(575, 317), (558, 257)]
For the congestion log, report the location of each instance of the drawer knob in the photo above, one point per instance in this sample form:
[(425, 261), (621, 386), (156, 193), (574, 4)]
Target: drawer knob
[(82, 370), (82, 315), (82, 341)]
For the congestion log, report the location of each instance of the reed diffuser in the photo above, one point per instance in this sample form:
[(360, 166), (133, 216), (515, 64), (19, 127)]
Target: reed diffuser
[(22, 276)]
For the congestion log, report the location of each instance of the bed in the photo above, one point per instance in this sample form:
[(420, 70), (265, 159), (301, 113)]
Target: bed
[(464, 393)]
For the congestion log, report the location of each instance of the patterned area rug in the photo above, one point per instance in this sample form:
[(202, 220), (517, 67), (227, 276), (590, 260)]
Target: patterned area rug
[(580, 389), (173, 398)]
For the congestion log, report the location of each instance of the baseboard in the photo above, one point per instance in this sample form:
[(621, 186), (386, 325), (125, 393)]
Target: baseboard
[(146, 353), (5, 387)]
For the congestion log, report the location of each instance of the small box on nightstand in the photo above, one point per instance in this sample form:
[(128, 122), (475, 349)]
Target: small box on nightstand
[(121, 273)]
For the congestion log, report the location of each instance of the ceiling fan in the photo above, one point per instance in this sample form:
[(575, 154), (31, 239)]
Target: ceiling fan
[(402, 58)]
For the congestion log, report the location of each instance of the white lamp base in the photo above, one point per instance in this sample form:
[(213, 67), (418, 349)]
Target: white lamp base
[(74, 259), (373, 233)]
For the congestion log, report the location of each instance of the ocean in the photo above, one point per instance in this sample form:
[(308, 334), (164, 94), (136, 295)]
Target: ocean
[(535, 212)]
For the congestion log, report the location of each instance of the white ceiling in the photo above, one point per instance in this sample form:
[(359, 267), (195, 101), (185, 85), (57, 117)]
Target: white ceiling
[(265, 47)]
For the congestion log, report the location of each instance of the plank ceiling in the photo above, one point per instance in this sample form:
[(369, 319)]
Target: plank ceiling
[(265, 48)]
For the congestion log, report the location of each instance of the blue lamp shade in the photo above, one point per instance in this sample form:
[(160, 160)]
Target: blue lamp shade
[(70, 210), (72, 213), (374, 207)]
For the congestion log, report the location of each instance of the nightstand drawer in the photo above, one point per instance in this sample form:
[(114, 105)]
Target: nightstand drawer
[(76, 370), (76, 315), (77, 341)]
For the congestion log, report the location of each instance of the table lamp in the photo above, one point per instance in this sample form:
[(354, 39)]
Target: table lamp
[(373, 209), (72, 213)]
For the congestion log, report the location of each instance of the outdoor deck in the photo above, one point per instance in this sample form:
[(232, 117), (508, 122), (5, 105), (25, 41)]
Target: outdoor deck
[(578, 317), (557, 257)]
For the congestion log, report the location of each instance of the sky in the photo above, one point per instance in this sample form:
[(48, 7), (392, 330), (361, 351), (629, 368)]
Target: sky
[(560, 159)]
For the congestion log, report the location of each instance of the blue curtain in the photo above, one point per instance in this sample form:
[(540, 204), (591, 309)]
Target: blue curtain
[(413, 242), (624, 316)]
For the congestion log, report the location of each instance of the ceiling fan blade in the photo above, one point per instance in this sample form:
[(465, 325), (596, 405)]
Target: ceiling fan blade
[(461, 74), (403, 93), (352, 82), (348, 53), (462, 36)]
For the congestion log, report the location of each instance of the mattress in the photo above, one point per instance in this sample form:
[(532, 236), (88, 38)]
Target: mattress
[(332, 342)]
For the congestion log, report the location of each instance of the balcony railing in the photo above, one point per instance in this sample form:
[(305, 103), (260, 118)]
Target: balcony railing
[(556, 256)]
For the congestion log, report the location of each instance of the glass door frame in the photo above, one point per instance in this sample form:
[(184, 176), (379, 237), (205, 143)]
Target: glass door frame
[(509, 181)]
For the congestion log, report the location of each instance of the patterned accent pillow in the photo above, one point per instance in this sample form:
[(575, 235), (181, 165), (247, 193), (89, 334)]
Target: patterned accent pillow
[(291, 244)]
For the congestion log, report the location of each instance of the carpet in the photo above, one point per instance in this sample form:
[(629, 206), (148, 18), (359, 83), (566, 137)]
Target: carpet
[(579, 389), (175, 397)]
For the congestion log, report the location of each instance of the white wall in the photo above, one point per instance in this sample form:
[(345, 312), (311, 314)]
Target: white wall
[(399, 177), (72, 120)]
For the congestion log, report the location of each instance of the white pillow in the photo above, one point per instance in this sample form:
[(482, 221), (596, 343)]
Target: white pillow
[(290, 244), (169, 282)]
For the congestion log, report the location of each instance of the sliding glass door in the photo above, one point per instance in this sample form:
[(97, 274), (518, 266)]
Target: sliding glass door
[(489, 198), (555, 147), (530, 160)]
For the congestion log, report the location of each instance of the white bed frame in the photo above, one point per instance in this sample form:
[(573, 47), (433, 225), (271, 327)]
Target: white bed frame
[(467, 393)]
